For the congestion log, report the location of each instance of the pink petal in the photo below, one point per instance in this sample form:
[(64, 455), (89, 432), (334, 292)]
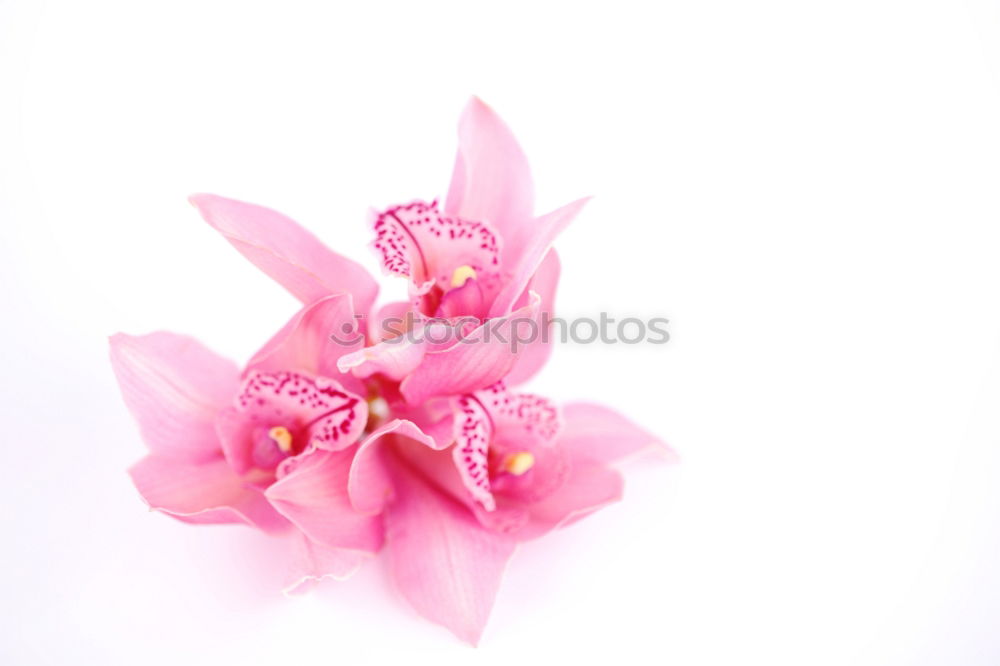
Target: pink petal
[(369, 484), (438, 468), (603, 435), (397, 357), (394, 359), (313, 341), (287, 252), (310, 562), (537, 352), (588, 487), (491, 180), (465, 301), (442, 560), (484, 357), (235, 433), (389, 321), (524, 252), (313, 495), (174, 387), (203, 492)]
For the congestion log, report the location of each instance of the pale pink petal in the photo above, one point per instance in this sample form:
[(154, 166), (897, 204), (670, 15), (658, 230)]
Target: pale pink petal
[(445, 564), (434, 418), (588, 487), (314, 340), (309, 563), (537, 352), (603, 435), (368, 484), (174, 387), (468, 300), (202, 492), (439, 469), (491, 180), (484, 357), (313, 495), (389, 321), (394, 358), (235, 432), (524, 253), (287, 252)]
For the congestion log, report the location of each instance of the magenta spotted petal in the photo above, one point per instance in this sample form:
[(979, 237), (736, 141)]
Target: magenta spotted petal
[(417, 241)]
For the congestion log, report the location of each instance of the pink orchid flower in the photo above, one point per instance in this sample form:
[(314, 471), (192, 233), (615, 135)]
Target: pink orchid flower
[(481, 473), (485, 256), (221, 442), (414, 444)]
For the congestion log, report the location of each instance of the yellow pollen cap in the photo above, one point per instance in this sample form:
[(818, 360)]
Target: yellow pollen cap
[(281, 437), (461, 275), (519, 463)]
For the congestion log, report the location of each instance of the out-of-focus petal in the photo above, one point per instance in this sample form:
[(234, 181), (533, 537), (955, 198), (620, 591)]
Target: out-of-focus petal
[(389, 321), (438, 468), (588, 487), (394, 358), (287, 252), (491, 180), (309, 563), (174, 386), (444, 562), (482, 358), (202, 492), (314, 340), (603, 435), (538, 350), (369, 485), (524, 253), (313, 495)]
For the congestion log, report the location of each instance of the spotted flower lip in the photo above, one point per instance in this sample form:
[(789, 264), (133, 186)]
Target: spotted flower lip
[(453, 264), (425, 449)]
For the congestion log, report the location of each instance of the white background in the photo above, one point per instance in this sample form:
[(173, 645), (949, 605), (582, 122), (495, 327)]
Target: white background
[(808, 190)]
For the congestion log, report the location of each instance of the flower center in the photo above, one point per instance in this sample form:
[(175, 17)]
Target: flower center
[(518, 463), (282, 437), (462, 275), (378, 413)]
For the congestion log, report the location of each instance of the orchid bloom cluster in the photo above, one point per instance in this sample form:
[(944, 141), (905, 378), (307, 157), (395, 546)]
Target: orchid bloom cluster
[(424, 449)]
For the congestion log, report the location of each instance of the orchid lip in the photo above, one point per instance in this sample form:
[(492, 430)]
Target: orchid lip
[(348, 406), (416, 243), (378, 413)]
